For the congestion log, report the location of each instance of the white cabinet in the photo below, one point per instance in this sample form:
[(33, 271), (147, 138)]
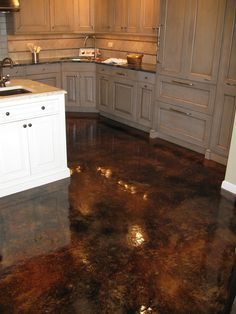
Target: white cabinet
[(32, 142), (49, 74)]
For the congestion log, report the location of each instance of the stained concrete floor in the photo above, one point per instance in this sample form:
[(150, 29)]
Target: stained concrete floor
[(139, 228)]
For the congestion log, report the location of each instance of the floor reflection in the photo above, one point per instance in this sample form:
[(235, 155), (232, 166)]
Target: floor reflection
[(138, 228)]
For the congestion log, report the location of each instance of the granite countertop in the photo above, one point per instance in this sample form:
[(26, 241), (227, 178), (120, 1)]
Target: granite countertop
[(36, 89), (146, 67)]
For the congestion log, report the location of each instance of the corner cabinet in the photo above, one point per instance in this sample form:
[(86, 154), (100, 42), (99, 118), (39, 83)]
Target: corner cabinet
[(32, 143)]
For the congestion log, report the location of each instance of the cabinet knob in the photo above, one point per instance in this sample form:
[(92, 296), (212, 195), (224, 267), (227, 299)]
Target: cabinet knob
[(30, 125), (7, 113), (24, 126), (145, 86), (43, 107)]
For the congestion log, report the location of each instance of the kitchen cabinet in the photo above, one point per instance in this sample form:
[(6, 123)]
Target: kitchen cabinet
[(103, 93), (125, 14), (44, 16), (190, 40), (225, 106), (32, 142), (103, 17), (84, 15), (15, 72), (150, 17), (45, 73), (79, 80)]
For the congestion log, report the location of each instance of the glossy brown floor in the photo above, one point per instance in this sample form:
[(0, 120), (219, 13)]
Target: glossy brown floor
[(139, 228)]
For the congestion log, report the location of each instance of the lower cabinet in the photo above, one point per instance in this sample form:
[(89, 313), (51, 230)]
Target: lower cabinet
[(103, 93), (32, 143), (79, 80), (145, 104)]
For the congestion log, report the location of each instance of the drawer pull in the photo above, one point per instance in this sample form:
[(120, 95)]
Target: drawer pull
[(120, 73), (146, 77), (30, 125), (231, 84), (182, 83), (145, 86), (43, 107), (7, 113), (24, 126), (181, 112)]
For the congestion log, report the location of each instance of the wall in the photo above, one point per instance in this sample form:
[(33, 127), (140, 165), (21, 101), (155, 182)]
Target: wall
[(230, 178), (3, 37)]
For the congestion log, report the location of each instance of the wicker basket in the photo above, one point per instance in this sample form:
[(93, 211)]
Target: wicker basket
[(134, 58)]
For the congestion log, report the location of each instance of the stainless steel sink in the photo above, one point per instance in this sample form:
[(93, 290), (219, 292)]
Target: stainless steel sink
[(13, 91)]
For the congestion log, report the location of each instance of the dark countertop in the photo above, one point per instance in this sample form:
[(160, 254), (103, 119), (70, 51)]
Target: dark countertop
[(146, 67)]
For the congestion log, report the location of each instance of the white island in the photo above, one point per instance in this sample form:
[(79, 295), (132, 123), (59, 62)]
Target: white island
[(32, 136)]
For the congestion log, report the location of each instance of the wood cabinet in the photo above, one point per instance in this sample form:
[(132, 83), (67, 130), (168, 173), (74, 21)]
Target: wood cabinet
[(150, 16), (103, 17), (32, 143), (84, 15), (225, 106), (125, 16), (44, 16), (79, 80), (191, 36), (49, 74)]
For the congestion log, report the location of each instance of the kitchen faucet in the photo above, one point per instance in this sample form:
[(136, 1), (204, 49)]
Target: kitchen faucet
[(94, 43), (4, 79)]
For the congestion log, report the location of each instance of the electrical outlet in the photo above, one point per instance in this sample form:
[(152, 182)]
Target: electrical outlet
[(110, 44)]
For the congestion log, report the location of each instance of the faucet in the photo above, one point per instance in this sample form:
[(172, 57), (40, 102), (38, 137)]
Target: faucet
[(94, 43), (4, 79)]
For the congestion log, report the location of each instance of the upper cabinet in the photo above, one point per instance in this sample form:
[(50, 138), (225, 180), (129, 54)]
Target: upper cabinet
[(44, 16), (103, 17), (33, 17), (150, 16), (84, 15), (125, 15), (191, 38)]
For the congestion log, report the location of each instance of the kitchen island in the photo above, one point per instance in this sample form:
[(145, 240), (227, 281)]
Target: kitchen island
[(32, 136)]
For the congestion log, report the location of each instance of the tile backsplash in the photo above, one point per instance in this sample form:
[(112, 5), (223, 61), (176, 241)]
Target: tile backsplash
[(3, 37)]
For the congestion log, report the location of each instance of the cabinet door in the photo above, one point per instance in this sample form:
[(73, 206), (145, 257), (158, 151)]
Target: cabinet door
[(44, 144), (124, 98), (174, 21), (145, 104), (70, 83), (150, 15), (103, 21), (14, 160), (88, 89), (52, 79), (103, 93), (132, 16), (204, 39), (118, 15), (84, 15), (33, 17), (61, 15)]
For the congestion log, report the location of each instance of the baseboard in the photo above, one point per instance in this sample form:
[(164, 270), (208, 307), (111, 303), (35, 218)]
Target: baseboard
[(228, 190)]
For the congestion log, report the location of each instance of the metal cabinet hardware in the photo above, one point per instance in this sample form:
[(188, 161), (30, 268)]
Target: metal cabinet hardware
[(182, 83), (181, 112), (231, 84), (30, 125), (7, 113), (120, 73), (43, 107), (24, 126)]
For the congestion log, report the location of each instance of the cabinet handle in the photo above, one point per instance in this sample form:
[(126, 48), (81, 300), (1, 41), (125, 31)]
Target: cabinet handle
[(182, 83), (158, 36), (43, 107), (231, 84), (181, 112), (7, 113), (120, 73), (30, 125), (145, 86), (24, 126), (146, 77), (122, 27)]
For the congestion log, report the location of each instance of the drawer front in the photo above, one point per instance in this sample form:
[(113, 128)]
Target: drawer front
[(124, 73), (78, 67), (146, 77), (16, 71), (29, 110), (187, 94), (42, 68), (188, 126), (104, 69)]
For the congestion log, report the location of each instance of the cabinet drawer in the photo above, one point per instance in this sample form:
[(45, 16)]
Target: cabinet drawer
[(16, 71), (188, 126), (187, 94), (42, 68), (146, 77), (104, 69), (28, 110), (124, 73)]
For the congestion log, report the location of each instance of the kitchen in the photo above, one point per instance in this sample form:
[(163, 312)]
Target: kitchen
[(181, 104)]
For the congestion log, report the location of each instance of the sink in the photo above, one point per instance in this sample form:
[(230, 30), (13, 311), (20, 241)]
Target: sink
[(11, 91)]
